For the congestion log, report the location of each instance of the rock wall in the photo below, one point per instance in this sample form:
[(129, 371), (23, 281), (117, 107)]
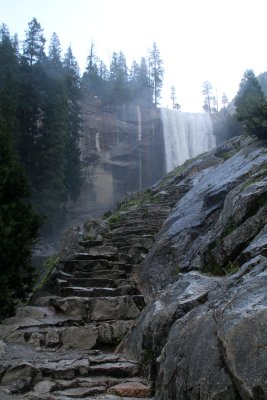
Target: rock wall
[(122, 150), (203, 333), (195, 245)]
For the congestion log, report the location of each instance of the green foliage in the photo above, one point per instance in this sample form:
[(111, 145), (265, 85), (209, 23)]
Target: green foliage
[(19, 223), (229, 228), (213, 269), (156, 77), (138, 199), (40, 101), (115, 218), (139, 84), (230, 268), (148, 356), (261, 200), (48, 266), (177, 270), (33, 46), (251, 106), (89, 237), (178, 171), (120, 338), (135, 200), (206, 91), (218, 270)]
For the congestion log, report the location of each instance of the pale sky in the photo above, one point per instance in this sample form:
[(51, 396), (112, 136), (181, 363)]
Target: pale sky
[(214, 40)]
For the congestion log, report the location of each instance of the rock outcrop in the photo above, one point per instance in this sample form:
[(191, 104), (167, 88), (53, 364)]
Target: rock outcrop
[(122, 151), (203, 335), (61, 346), (166, 297)]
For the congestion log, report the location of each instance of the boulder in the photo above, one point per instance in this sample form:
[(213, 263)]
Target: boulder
[(131, 389), (21, 376), (79, 337)]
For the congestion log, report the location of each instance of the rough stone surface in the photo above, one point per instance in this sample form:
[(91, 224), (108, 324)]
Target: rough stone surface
[(2, 348), (202, 335), (69, 243), (79, 337), (118, 142), (25, 372), (120, 307), (131, 389)]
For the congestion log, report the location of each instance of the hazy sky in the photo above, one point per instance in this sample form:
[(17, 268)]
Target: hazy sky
[(214, 40)]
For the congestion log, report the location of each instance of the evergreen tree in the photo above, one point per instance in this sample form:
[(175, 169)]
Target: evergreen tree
[(140, 89), (224, 100), (251, 106), (18, 222), (118, 78), (73, 126), (51, 196), (144, 84), (32, 99), (91, 79), (207, 92), (156, 73), (173, 96), (18, 228), (54, 54), (33, 46)]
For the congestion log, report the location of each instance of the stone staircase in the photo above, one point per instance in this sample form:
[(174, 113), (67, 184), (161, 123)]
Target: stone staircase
[(62, 347)]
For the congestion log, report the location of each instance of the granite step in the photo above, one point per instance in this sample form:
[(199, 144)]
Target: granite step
[(82, 336), (87, 282), (89, 387), (91, 243), (112, 274), (97, 308), (97, 291), (121, 232), (86, 265), (93, 257)]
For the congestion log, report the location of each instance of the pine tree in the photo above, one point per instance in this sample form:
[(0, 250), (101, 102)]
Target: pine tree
[(173, 96), (224, 100), (156, 73), (54, 54), (73, 126), (18, 222), (207, 92), (251, 106), (143, 91), (33, 46), (32, 100), (118, 78)]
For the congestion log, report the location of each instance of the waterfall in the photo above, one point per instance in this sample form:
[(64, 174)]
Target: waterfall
[(185, 135)]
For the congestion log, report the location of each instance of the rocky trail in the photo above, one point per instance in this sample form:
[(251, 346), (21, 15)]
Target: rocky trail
[(63, 345), (166, 297)]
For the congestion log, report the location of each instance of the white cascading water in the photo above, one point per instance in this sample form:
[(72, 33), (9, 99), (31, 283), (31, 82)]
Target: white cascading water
[(185, 135)]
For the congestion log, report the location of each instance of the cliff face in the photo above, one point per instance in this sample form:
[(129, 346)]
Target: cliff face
[(203, 334), (177, 275), (122, 150)]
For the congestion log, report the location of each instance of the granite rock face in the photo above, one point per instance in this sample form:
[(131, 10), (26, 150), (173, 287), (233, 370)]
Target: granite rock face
[(126, 141), (166, 297), (203, 334)]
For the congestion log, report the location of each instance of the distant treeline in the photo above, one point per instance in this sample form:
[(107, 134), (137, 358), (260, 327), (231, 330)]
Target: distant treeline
[(39, 102), (141, 83), (40, 126), (43, 94), (246, 114)]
